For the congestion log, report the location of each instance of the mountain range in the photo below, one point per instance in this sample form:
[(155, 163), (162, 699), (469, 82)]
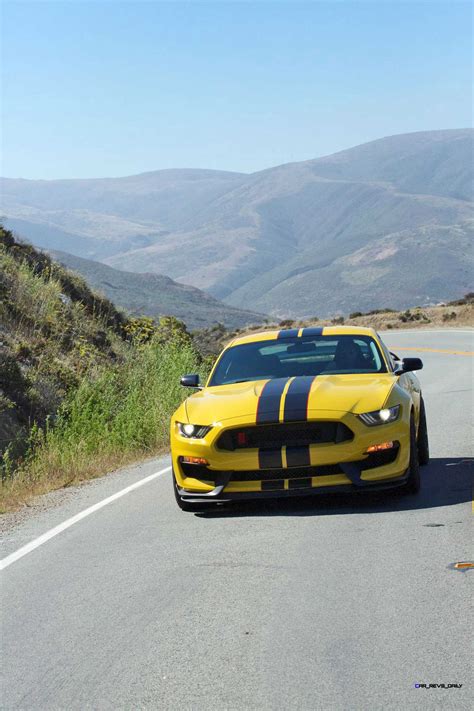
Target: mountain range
[(387, 223)]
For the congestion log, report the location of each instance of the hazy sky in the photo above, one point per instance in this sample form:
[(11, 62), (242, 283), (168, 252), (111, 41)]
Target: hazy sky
[(110, 88)]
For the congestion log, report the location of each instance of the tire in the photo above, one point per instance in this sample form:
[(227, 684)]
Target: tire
[(414, 481), (191, 507), (423, 444)]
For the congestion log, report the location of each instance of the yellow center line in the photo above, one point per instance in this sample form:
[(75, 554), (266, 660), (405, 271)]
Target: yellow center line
[(434, 350), (464, 565)]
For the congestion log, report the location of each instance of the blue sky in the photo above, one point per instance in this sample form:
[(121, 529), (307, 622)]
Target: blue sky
[(93, 89)]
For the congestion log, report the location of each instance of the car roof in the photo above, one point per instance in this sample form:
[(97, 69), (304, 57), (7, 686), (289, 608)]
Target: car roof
[(305, 331)]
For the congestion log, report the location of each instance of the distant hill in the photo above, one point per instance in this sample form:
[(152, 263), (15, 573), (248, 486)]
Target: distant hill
[(103, 217), (385, 223), (157, 295)]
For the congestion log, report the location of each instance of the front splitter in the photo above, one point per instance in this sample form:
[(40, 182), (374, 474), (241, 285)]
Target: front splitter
[(219, 496)]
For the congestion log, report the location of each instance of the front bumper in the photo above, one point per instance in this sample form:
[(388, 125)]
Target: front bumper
[(221, 495), (333, 467)]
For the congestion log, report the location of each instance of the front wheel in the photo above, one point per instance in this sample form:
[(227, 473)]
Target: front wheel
[(414, 481), (423, 444)]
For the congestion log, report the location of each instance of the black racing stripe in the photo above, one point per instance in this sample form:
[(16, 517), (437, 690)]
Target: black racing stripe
[(270, 459), (298, 456), (275, 484), (296, 400), (268, 408), (312, 331), (300, 483), (288, 333)]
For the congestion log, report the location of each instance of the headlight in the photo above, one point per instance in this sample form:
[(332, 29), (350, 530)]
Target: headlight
[(380, 417), (193, 431)]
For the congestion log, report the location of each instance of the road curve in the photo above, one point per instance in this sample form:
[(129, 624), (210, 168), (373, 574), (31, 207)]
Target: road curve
[(344, 602)]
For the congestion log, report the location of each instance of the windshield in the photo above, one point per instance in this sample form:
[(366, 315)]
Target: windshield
[(315, 355)]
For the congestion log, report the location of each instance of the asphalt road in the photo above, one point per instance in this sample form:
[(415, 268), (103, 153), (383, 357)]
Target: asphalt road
[(337, 603)]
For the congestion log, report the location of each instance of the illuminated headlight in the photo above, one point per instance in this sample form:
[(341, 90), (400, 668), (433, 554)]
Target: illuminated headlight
[(192, 431), (380, 417)]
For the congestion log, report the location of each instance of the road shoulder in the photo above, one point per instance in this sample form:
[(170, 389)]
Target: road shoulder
[(44, 512)]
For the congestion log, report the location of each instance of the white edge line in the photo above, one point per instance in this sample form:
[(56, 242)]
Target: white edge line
[(24, 550)]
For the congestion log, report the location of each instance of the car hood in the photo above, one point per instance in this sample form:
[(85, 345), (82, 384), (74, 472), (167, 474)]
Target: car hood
[(341, 393)]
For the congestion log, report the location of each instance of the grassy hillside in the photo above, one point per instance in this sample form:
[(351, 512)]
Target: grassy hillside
[(82, 388), (157, 295), (273, 241)]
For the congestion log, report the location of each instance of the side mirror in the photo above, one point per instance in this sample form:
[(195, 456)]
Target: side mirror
[(407, 365), (190, 381)]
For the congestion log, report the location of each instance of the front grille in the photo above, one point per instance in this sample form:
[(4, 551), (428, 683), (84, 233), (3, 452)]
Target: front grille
[(293, 473), (294, 434)]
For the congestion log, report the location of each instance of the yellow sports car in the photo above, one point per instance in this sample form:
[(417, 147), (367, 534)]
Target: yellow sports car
[(298, 412)]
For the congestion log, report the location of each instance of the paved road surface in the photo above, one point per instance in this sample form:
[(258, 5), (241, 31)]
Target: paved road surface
[(339, 603)]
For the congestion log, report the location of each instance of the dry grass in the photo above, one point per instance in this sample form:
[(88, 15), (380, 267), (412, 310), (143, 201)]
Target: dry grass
[(436, 317), (24, 486)]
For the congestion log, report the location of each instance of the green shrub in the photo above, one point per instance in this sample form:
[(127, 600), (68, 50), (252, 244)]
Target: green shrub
[(82, 389), (414, 316), (380, 311), (123, 411), (406, 316)]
